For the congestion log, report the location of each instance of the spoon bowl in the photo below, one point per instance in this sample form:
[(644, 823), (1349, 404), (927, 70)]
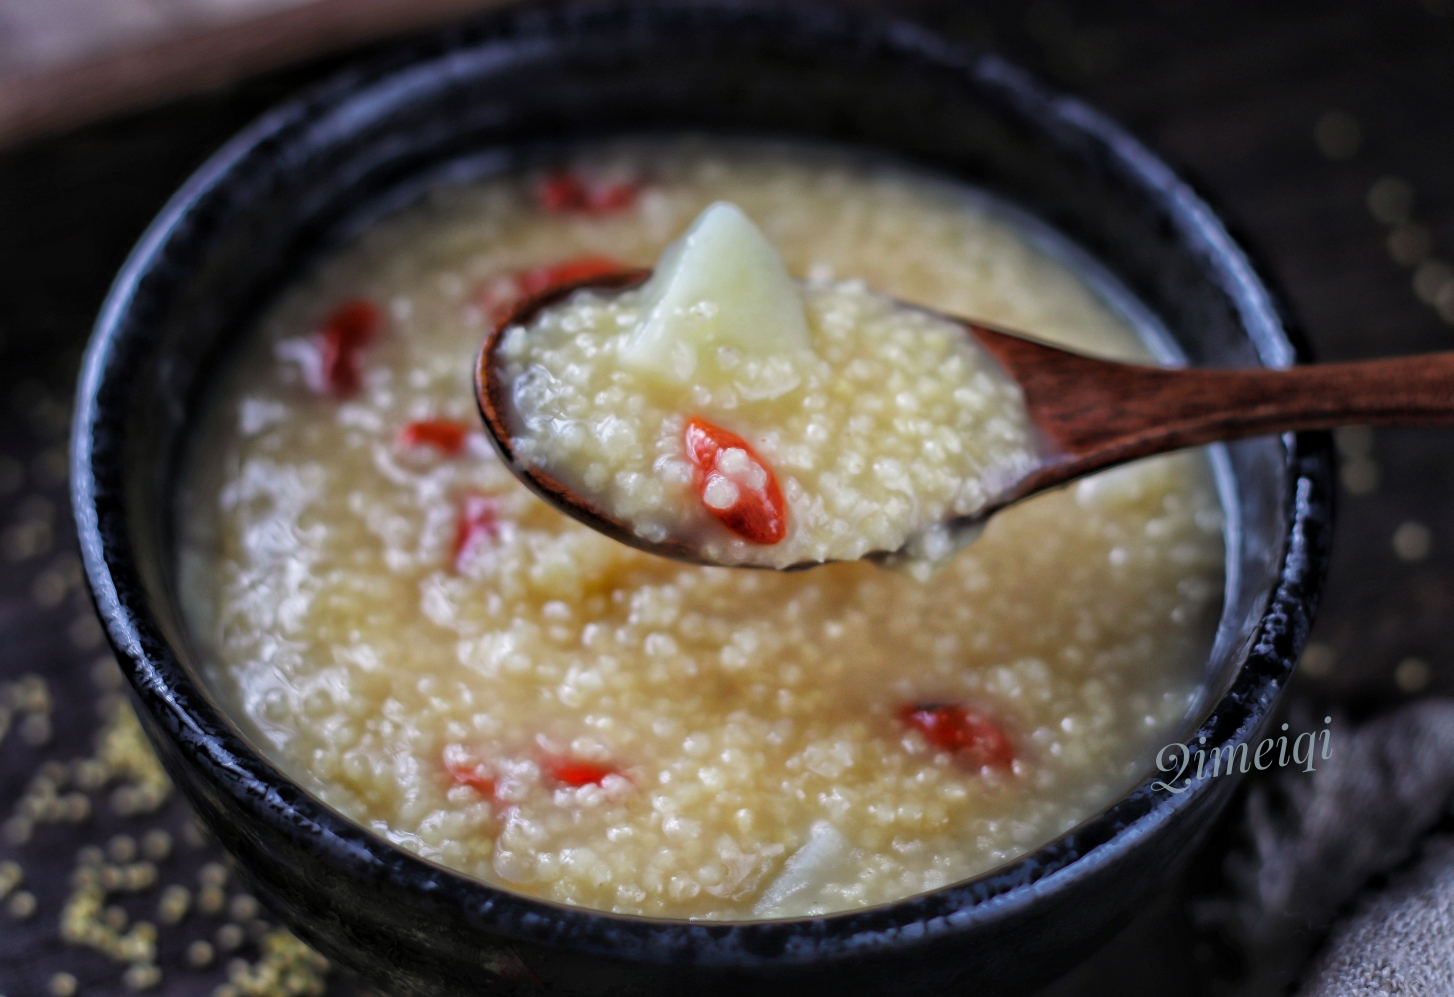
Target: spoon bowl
[(1089, 414)]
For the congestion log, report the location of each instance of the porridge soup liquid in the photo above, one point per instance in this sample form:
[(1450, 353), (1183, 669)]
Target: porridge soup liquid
[(438, 655)]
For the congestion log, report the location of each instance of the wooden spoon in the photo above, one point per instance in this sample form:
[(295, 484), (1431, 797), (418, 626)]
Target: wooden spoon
[(1092, 414)]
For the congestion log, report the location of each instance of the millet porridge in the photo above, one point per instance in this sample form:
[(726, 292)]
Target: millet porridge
[(443, 658)]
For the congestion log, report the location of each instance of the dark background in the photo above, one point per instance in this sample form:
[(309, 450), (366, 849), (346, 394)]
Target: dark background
[(1284, 114)]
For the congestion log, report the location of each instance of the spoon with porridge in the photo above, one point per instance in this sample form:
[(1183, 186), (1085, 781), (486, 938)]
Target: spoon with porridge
[(715, 411)]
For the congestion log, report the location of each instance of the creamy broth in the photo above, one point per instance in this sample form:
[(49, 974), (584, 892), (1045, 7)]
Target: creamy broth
[(434, 652)]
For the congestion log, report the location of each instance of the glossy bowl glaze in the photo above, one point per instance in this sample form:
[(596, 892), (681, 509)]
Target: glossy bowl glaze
[(476, 98)]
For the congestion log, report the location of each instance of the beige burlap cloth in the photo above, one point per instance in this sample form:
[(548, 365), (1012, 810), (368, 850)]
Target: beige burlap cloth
[(1350, 846), (1400, 940)]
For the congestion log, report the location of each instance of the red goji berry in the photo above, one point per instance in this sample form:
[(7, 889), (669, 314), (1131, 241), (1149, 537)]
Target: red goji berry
[(351, 327), (477, 521), (952, 728), (607, 198), (542, 279), (467, 771), (445, 435), (502, 295), (565, 192), (743, 494), (561, 192), (577, 773)]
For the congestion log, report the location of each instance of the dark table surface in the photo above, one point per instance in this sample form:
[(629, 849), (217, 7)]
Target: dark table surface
[(1286, 115)]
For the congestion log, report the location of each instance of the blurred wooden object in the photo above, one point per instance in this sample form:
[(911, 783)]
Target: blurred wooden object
[(44, 99)]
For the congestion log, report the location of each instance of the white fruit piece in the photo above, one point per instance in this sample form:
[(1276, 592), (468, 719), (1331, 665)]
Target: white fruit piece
[(721, 285), (798, 888)]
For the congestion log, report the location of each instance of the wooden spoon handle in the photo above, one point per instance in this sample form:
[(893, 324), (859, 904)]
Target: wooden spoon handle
[(1096, 413)]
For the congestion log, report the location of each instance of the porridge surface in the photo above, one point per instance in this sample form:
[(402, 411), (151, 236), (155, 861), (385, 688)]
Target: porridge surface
[(443, 658)]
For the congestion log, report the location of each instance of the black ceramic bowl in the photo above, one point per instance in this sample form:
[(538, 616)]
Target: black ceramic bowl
[(313, 171)]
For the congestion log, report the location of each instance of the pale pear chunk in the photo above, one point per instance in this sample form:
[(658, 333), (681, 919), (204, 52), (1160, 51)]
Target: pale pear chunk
[(721, 285), (800, 888)]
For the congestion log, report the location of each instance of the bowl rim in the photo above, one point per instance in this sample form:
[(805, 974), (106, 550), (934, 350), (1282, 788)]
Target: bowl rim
[(170, 696)]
